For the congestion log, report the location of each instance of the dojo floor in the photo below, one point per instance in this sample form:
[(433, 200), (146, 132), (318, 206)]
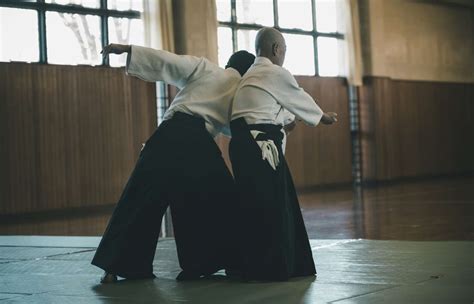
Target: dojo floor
[(403, 243)]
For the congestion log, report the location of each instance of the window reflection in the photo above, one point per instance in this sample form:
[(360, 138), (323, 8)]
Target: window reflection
[(223, 10), (86, 3), (124, 31), (326, 17), (246, 40), (224, 37), (125, 5), (299, 54), (21, 43), (295, 14), (73, 38), (255, 11), (328, 54)]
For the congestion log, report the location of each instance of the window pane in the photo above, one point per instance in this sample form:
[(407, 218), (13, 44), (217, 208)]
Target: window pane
[(255, 11), (326, 17), (328, 56), (223, 10), (73, 38), (295, 14), (246, 40), (224, 40), (87, 3), (125, 5), (124, 31), (21, 43), (299, 58)]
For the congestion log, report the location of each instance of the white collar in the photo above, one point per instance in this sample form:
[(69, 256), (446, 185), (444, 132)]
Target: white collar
[(262, 60)]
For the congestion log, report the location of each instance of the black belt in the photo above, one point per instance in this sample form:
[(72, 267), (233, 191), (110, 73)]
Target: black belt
[(180, 116), (270, 131)]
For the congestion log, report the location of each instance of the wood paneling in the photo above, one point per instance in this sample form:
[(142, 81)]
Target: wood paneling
[(70, 135), (413, 129), (322, 155)]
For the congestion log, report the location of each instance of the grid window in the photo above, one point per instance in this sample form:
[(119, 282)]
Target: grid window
[(68, 31), (309, 28)]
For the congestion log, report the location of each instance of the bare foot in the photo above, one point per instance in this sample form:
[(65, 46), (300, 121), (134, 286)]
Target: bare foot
[(108, 278)]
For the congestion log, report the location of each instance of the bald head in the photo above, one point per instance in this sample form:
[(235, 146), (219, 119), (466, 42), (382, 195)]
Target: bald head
[(270, 43)]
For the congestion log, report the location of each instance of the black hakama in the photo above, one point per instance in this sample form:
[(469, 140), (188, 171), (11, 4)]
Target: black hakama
[(274, 243), (180, 166)]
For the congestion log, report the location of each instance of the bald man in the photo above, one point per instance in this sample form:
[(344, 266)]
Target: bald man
[(276, 245), (180, 166)]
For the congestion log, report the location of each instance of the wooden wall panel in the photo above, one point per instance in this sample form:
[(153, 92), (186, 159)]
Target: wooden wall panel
[(322, 155), (416, 129), (70, 136)]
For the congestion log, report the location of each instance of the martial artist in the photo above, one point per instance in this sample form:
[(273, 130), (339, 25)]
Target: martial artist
[(276, 245), (180, 166)]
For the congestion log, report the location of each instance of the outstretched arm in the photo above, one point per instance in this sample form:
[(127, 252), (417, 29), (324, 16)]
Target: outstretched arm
[(155, 65)]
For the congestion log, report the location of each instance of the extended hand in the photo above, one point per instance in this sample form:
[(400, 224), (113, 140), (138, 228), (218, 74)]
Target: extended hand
[(114, 48), (329, 118)]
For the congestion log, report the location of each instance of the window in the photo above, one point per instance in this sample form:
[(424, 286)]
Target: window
[(68, 31), (310, 28)]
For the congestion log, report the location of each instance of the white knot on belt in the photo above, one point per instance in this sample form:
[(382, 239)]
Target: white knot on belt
[(269, 150)]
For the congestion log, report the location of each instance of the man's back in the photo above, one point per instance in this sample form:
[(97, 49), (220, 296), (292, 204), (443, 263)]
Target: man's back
[(206, 90)]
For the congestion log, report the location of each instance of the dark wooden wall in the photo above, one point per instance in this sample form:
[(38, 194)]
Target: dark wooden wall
[(69, 135), (416, 129)]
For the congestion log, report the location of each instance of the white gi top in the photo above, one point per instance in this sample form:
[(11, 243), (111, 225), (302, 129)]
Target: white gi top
[(206, 90), (269, 94)]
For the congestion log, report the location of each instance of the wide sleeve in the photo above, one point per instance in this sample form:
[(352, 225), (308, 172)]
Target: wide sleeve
[(294, 99), (158, 65)]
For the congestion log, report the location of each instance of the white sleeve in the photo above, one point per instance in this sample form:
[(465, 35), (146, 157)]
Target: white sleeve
[(293, 98), (158, 65)]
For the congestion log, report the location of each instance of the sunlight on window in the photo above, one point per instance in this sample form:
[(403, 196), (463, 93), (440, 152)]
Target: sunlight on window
[(255, 11), (73, 38), (124, 31), (295, 14), (246, 40), (125, 5), (223, 10), (299, 54), (328, 56), (86, 3), (18, 35), (326, 16), (224, 37)]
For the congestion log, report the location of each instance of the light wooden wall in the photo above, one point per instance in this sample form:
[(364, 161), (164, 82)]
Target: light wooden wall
[(416, 129), (69, 135), (418, 40)]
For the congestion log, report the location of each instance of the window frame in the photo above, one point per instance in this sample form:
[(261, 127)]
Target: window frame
[(235, 26), (42, 7)]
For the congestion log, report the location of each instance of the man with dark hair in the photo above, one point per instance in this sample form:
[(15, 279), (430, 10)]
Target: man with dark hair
[(180, 166), (268, 99)]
